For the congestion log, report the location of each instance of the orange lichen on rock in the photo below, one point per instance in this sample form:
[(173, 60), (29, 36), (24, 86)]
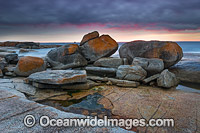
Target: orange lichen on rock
[(89, 36), (102, 44), (72, 79), (73, 48), (28, 63), (172, 48)]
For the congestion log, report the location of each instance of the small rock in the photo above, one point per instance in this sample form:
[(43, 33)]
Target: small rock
[(89, 36), (59, 77), (149, 79), (152, 66), (110, 62), (103, 46), (28, 65), (101, 71), (67, 56), (131, 72), (11, 58), (167, 79), (10, 74)]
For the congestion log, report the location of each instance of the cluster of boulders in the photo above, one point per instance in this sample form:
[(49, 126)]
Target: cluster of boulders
[(140, 62)]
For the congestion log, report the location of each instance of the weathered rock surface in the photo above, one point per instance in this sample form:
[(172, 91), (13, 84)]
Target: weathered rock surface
[(65, 57), (15, 107), (152, 66), (167, 79), (111, 62), (89, 36), (59, 77), (131, 72), (169, 52), (124, 83), (101, 71), (28, 65), (103, 46), (152, 102), (187, 71), (11, 58)]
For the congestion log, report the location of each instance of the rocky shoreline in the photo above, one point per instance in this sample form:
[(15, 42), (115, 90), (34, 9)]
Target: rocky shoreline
[(145, 70)]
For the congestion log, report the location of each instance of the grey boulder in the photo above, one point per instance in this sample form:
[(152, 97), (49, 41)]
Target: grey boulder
[(67, 56), (131, 72), (152, 66), (167, 79)]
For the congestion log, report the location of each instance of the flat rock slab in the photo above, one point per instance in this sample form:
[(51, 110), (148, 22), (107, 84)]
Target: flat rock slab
[(14, 109), (151, 102), (59, 77)]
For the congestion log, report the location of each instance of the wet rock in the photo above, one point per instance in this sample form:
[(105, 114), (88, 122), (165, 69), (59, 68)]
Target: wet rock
[(111, 62), (151, 78), (152, 66), (89, 36), (170, 52), (131, 72), (103, 46), (187, 71), (90, 104), (167, 79), (28, 65), (104, 71), (59, 77), (67, 56), (11, 58)]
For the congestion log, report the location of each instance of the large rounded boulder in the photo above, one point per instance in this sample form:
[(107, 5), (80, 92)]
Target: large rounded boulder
[(28, 65), (169, 52), (67, 56), (94, 49)]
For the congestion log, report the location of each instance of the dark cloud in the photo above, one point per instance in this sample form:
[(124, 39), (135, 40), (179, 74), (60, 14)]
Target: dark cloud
[(154, 14)]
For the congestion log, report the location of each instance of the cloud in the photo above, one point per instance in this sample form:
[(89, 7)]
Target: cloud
[(116, 14)]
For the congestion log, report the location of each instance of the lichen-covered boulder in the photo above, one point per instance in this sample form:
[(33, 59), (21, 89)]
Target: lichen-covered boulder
[(67, 56), (89, 36), (169, 52), (103, 46), (28, 65)]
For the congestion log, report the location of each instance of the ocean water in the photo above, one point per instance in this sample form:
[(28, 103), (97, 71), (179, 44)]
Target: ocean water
[(188, 47)]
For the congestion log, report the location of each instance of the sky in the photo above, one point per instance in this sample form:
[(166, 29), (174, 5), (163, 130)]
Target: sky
[(123, 20)]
